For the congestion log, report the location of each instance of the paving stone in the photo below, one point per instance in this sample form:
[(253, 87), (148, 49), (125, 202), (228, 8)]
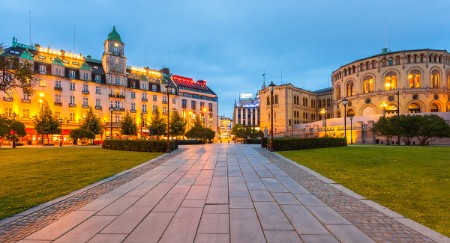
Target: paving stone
[(292, 185), (108, 238), (151, 228), (101, 202), (241, 202), (273, 185), (198, 192), (180, 189), (319, 239), (86, 230), (214, 209), (282, 236), (180, 230), (285, 198), (271, 216), (119, 206), (256, 186), (261, 196), (214, 224), (245, 227), (237, 186), (126, 222), (327, 215), (310, 200), (193, 203), (219, 182), (189, 213), (348, 233), (303, 221), (170, 203), (217, 196), (209, 238), (233, 179)]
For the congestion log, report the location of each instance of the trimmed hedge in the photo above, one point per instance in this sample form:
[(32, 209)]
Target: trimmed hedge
[(189, 142), (252, 141), (139, 145), (264, 142), (283, 144)]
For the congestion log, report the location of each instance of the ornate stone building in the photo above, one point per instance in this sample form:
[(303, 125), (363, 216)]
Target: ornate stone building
[(247, 112), (71, 83)]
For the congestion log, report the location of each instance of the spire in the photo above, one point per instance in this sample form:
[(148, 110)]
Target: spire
[(264, 81), (114, 36)]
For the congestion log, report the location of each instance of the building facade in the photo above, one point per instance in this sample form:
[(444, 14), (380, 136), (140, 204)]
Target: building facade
[(225, 124), (72, 83), (247, 111)]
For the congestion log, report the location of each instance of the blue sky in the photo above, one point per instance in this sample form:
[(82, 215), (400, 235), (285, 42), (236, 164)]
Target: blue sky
[(232, 43)]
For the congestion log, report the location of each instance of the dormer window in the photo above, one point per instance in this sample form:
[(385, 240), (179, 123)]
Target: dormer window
[(85, 76), (71, 74), (42, 69)]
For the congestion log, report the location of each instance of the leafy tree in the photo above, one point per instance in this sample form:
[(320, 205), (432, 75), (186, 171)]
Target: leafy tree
[(45, 122), (157, 124), (201, 133), (127, 126), (198, 122), (245, 132), (16, 74), (408, 127), (385, 128), (4, 126), (92, 122), (18, 129), (432, 127), (177, 124), (81, 134)]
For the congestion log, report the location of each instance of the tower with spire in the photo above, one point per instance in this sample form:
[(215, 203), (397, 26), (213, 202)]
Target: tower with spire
[(113, 60)]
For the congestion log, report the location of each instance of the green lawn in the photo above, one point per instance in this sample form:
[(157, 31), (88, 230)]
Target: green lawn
[(32, 176), (413, 181)]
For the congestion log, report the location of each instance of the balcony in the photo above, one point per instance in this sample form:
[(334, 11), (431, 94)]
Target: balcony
[(117, 96), (144, 100), (164, 102), (133, 111), (57, 103), (85, 92), (119, 109), (8, 99), (26, 101), (56, 88), (144, 112), (72, 105), (85, 106), (98, 107)]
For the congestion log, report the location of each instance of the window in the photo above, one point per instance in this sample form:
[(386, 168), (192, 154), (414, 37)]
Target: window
[(85, 101), (338, 92), (117, 104), (117, 80), (72, 100), (42, 83), (183, 104), (26, 96), (154, 87), (155, 108), (144, 108), (414, 108), (390, 61), (202, 104), (72, 117), (144, 96), (57, 98), (144, 85), (193, 105), (328, 102), (26, 113), (98, 90), (368, 84), (155, 98), (8, 112), (435, 79), (276, 99), (350, 88), (164, 110), (58, 71), (133, 95), (164, 100), (97, 78), (85, 88), (72, 86), (390, 81), (268, 100), (174, 100), (85, 76), (133, 106), (116, 50), (71, 74), (97, 102), (58, 84), (434, 107), (414, 79), (210, 106), (42, 69)]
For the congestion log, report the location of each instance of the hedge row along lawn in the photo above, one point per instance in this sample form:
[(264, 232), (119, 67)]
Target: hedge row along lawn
[(32, 176), (413, 181)]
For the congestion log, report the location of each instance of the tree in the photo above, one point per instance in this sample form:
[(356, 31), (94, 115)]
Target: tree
[(92, 122), (245, 132), (16, 74), (385, 127), (408, 127), (432, 127), (177, 124), (4, 126), (201, 133), (157, 124), (17, 130), (81, 134), (45, 122), (127, 126)]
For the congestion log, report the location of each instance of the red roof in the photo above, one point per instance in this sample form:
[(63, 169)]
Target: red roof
[(189, 82)]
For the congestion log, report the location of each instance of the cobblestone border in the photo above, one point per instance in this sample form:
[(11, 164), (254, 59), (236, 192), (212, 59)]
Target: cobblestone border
[(24, 224), (378, 222)]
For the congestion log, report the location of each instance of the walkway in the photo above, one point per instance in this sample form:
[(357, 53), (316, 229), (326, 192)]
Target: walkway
[(225, 193)]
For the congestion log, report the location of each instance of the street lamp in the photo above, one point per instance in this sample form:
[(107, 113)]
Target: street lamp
[(14, 132), (345, 102), (142, 122), (324, 114), (351, 128), (41, 101), (384, 105), (271, 87), (60, 141), (168, 90), (111, 109)]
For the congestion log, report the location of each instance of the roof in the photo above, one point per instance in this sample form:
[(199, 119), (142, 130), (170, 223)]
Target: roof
[(114, 36), (189, 83), (85, 66), (26, 55), (325, 90), (57, 61)]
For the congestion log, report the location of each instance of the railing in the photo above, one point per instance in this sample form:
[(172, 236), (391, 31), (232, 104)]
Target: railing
[(56, 88), (8, 99), (26, 101), (58, 103), (144, 100), (72, 105), (98, 107), (117, 96), (85, 106), (85, 91)]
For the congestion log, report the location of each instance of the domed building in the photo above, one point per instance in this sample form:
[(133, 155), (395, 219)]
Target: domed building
[(413, 81)]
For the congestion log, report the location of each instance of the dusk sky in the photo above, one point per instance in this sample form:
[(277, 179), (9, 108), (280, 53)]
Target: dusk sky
[(232, 43)]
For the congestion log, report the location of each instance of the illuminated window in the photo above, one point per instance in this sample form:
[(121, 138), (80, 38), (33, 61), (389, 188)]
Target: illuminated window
[(350, 89), (57, 98), (164, 110), (414, 108), (414, 79), (26, 113), (434, 107), (368, 84), (71, 74), (72, 100), (72, 86), (42, 69), (97, 78), (390, 81), (8, 112), (435, 78), (338, 92), (72, 116)]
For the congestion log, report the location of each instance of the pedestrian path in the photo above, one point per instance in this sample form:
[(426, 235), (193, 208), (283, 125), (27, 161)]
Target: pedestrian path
[(226, 193)]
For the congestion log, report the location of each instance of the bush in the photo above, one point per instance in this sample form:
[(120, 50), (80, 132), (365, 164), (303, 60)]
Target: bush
[(283, 144), (139, 145), (189, 142), (252, 141)]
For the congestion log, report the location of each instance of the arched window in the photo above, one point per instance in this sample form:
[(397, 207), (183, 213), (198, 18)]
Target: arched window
[(391, 109), (368, 84), (390, 81), (434, 107), (414, 79), (268, 100), (320, 103), (397, 60), (351, 112), (276, 99), (448, 79), (361, 67), (367, 65), (390, 61), (350, 88), (374, 64), (414, 108), (338, 114), (435, 78), (383, 62), (338, 92)]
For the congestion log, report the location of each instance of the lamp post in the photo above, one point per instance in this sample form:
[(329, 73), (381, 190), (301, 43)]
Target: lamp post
[(111, 110), (14, 132), (351, 128), (398, 103), (345, 102), (384, 105), (168, 90), (324, 114), (60, 141), (271, 87), (41, 101), (142, 122)]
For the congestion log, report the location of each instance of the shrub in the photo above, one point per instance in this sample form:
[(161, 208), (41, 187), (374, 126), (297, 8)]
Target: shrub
[(283, 144), (139, 145)]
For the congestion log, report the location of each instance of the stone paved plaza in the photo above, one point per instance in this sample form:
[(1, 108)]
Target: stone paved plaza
[(215, 193)]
